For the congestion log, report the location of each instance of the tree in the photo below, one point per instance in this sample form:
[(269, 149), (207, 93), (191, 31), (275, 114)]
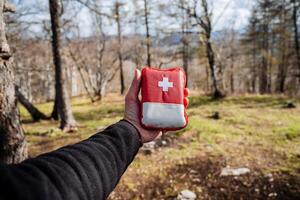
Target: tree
[(253, 50), (13, 148), (120, 55), (148, 38), (62, 102), (264, 6), (296, 33), (281, 29), (185, 34), (204, 22), (35, 114)]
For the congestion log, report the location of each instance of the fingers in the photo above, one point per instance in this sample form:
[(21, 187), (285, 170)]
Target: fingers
[(186, 102), (134, 89), (186, 92)]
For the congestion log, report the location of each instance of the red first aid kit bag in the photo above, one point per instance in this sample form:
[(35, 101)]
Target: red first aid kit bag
[(163, 99)]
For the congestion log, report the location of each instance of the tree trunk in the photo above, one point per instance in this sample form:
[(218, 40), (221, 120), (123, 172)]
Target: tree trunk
[(263, 81), (35, 114), (232, 89), (148, 39), (54, 114), (296, 36), (283, 43), (185, 61), (211, 61), (185, 42), (13, 148), (254, 56), (205, 23), (62, 101), (120, 56)]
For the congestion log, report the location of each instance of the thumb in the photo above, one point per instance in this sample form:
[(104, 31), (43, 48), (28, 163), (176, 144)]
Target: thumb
[(134, 89)]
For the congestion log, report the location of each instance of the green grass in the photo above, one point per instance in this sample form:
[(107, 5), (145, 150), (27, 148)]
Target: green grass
[(253, 130)]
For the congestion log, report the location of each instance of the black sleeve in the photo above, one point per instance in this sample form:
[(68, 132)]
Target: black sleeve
[(87, 170)]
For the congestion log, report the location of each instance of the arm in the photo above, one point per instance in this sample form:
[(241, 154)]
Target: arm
[(87, 170)]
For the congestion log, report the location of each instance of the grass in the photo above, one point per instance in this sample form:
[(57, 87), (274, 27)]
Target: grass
[(90, 117), (253, 131)]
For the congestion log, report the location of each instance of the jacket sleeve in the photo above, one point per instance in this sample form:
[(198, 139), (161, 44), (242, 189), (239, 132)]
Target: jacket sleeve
[(87, 170)]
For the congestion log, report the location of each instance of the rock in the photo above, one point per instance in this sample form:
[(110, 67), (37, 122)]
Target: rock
[(234, 171), (186, 195), (196, 180), (148, 151), (161, 143), (215, 115), (149, 145), (289, 104), (274, 194), (148, 148)]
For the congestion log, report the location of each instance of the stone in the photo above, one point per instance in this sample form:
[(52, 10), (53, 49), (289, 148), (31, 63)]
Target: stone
[(149, 148), (186, 195), (149, 145), (161, 143), (289, 105), (234, 171), (215, 115)]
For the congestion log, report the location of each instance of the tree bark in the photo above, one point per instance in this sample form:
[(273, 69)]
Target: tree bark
[(35, 114), (62, 101), (13, 148)]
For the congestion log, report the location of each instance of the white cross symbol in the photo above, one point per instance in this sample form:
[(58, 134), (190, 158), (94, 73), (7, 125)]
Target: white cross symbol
[(165, 84)]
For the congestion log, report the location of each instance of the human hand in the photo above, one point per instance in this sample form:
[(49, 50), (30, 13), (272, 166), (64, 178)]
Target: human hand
[(133, 106)]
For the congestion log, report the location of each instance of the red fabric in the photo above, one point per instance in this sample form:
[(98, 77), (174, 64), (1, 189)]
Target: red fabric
[(151, 92)]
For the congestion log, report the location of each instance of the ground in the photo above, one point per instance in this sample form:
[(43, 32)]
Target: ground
[(256, 132)]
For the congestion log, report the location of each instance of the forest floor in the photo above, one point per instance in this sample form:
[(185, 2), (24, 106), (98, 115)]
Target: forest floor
[(254, 132)]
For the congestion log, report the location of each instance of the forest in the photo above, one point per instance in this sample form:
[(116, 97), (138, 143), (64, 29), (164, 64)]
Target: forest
[(66, 66)]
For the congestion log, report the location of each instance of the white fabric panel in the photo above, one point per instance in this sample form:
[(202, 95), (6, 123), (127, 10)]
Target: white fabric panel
[(163, 115)]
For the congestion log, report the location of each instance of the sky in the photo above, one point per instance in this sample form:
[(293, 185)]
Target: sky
[(226, 14)]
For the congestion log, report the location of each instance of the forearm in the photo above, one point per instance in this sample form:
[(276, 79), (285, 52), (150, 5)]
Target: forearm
[(87, 170)]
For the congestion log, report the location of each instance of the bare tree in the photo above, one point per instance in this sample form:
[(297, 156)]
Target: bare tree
[(62, 102), (185, 34), (204, 22), (13, 148), (120, 54), (95, 66), (148, 38), (136, 47)]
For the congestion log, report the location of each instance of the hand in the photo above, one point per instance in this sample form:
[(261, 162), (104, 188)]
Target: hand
[(132, 109)]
